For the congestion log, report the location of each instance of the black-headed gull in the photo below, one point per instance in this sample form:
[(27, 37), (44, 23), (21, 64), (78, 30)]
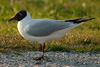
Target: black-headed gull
[(42, 30)]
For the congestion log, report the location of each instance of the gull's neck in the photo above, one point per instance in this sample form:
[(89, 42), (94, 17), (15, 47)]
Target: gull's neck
[(22, 23), (27, 18)]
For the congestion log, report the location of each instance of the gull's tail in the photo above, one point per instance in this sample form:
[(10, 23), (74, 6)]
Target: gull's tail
[(79, 20)]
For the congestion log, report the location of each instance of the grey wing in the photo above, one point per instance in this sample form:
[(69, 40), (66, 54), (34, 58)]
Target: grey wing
[(45, 28)]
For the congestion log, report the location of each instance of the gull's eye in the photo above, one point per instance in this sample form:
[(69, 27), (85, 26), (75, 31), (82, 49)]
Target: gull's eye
[(20, 14)]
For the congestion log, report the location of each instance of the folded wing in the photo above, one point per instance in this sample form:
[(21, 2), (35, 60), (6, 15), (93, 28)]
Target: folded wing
[(46, 27)]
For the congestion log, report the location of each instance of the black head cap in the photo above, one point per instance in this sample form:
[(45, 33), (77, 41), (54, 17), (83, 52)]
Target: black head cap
[(19, 15)]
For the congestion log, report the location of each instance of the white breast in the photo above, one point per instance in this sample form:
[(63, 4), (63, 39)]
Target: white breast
[(20, 28)]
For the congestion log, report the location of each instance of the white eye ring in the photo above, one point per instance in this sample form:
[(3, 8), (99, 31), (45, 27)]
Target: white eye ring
[(20, 14)]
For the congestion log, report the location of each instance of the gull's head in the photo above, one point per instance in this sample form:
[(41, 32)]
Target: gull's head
[(19, 15)]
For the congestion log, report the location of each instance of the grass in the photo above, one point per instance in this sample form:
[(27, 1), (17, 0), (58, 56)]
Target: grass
[(84, 38)]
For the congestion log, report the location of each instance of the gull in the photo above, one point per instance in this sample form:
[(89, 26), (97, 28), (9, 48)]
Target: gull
[(43, 30)]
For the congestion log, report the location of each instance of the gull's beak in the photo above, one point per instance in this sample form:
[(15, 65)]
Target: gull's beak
[(11, 19)]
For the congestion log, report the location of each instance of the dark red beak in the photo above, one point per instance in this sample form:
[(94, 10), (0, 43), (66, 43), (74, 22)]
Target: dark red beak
[(11, 19)]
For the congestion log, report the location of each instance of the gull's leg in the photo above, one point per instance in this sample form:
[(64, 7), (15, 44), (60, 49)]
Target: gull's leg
[(43, 48), (42, 57)]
